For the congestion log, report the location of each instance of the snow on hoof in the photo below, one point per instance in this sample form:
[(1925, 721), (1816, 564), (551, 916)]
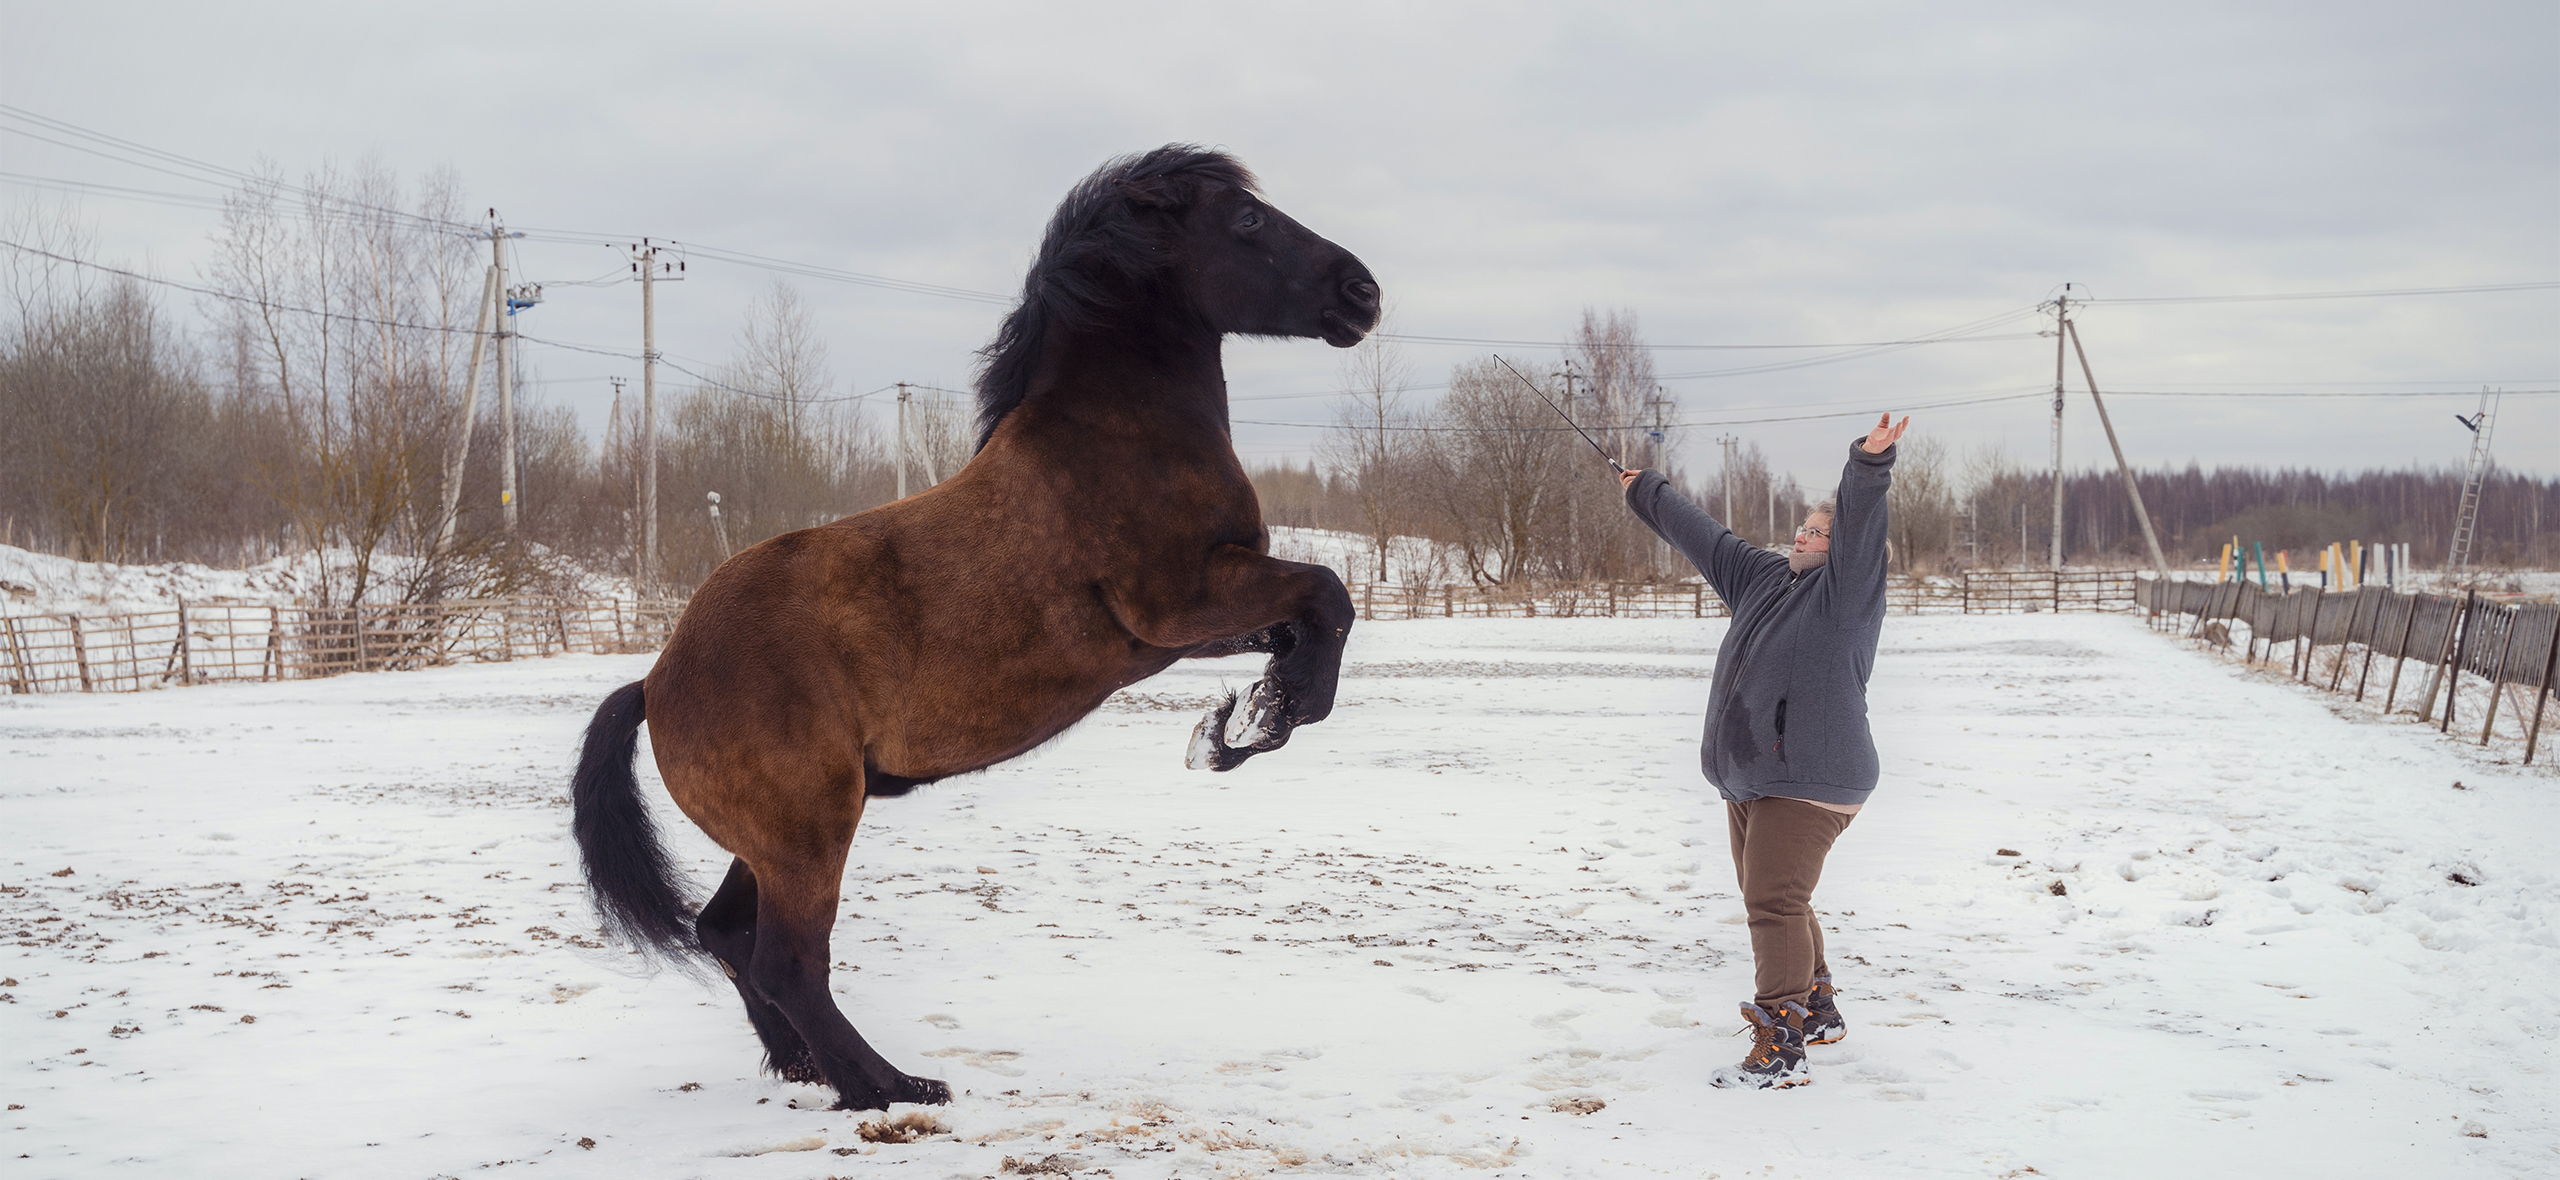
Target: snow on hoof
[(1258, 725), (1208, 751), (1203, 752)]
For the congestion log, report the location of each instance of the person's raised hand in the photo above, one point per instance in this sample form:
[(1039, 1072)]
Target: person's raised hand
[(1627, 479), (1885, 434)]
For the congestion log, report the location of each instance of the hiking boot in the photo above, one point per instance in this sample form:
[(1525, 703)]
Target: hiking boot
[(1776, 1060), (1822, 1023)]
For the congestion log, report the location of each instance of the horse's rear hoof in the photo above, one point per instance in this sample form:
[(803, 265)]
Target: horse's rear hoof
[(908, 1088), (926, 1091)]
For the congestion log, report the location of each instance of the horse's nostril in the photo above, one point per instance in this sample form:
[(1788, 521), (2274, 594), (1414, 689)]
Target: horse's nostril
[(1361, 291)]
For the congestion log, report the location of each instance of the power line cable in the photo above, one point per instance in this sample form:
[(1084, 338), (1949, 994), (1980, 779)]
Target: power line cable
[(2378, 293)]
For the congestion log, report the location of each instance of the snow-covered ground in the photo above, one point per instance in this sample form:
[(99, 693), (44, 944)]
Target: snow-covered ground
[(1480, 922)]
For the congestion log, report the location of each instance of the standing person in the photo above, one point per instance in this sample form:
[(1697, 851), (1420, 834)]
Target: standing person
[(1786, 733)]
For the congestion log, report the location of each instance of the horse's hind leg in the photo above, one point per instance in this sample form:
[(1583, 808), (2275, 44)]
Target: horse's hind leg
[(795, 915), (727, 929)]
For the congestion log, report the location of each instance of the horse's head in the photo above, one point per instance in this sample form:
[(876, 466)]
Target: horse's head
[(1175, 235), (1248, 268)]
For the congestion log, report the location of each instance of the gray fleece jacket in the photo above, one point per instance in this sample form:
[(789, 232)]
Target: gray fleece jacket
[(1787, 710)]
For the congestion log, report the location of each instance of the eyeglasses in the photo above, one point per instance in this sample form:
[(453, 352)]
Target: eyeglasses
[(1806, 530)]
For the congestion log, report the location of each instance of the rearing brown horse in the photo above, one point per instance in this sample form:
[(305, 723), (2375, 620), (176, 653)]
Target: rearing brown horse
[(1103, 530)]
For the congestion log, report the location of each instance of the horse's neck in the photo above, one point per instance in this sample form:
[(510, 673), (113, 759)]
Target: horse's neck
[(1158, 388)]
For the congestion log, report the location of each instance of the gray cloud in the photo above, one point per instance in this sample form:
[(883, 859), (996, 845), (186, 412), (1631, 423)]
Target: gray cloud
[(1733, 173)]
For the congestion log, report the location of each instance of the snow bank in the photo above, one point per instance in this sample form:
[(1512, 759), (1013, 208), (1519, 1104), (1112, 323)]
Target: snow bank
[(42, 583)]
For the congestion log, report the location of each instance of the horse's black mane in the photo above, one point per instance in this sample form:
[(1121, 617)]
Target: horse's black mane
[(1096, 236)]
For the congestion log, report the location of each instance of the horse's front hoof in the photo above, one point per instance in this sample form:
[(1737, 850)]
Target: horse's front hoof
[(1202, 753), (1260, 721), (1209, 749)]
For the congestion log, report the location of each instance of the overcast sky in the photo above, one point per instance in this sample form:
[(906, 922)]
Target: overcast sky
[(1732, 173)]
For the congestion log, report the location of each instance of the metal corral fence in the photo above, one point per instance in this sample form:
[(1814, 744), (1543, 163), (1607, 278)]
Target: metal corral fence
[(2366, 640), (1973, 592), (215, 643)]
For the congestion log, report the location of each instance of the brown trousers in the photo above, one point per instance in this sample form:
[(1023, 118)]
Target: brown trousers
[(1778, 848)]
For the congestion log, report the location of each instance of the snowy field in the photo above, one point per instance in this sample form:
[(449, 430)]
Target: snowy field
[(1480, 923)]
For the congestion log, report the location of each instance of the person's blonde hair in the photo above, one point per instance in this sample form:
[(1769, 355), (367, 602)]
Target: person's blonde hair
[(1825, 508)]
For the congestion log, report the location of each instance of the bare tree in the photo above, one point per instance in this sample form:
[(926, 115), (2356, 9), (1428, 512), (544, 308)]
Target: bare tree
[(1370, 443), (1492, 462), (1923, 505), (780, 355), (941, 431), (357, 293), (1615, 383)]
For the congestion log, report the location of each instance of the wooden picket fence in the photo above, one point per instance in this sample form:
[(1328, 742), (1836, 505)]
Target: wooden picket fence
[(214, 643), (1971, 592), (197, 643), (2363, 641)]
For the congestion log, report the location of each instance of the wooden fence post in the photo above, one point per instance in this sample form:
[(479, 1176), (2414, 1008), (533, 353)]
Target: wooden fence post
[(2305, 642), (1369, 600), (2498, 679), (2339, 673), (80, 651), (17, 656), (2374, 640), (2550, 664), (272, 667), (2450, 672)]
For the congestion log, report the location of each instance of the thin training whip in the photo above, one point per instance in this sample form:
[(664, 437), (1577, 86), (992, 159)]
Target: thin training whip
[(1568, 418)]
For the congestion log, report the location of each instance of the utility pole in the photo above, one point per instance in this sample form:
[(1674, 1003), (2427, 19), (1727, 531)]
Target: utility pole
[(613, 433), (644, 262), (1656, 435), (903, 394), (2132, 491), (2061, 312), (459, 455), (2466, 519), (513, 300), (506, 386), (1727, 442)]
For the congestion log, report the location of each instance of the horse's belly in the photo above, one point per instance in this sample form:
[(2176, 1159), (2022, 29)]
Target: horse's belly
[(960, 724)]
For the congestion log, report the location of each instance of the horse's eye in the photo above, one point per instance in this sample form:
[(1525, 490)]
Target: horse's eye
[(1252, 219)]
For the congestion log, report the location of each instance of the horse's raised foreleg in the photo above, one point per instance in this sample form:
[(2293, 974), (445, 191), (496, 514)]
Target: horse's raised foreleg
[(1299, 613), (727, 930), (795, 916)]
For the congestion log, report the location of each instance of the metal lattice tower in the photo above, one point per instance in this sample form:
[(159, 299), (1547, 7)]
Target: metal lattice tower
[(2466, 521)]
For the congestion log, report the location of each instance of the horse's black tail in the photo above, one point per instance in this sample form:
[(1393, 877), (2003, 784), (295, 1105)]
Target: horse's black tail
[(629, 877)]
